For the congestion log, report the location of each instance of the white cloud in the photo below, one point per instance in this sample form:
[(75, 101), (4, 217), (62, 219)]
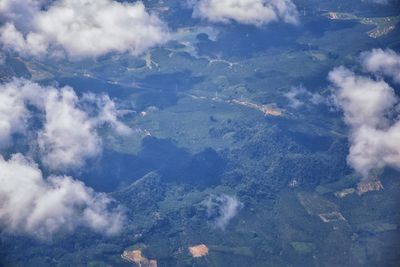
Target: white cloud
[(2, 58), (365, 101), (370, 110), (255, 12), (224, 207), (81, 28), (107, 112), (31, 204), (68, 137), (382, 62), (378, 1), (13, 114), (298, 96), (20, 12), (32, 44)]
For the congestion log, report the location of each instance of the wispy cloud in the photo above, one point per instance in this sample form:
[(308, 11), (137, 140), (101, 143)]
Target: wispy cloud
[(379, 1), (223, 209), (299, 96)]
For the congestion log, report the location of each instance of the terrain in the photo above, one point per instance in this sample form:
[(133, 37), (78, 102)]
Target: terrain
[(214, 118)]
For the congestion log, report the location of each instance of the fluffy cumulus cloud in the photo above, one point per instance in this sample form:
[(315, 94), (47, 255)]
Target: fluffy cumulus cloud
[(382, 62), (255, 12), (13, 114), (20, 11), (68, 136), (81, 28), (223, 209), (40, 207), (370, 108)]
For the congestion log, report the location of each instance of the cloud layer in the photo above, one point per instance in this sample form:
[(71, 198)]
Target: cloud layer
[(40, 207), (68, 136), (81, 28), (370, 108), (255, 12)]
